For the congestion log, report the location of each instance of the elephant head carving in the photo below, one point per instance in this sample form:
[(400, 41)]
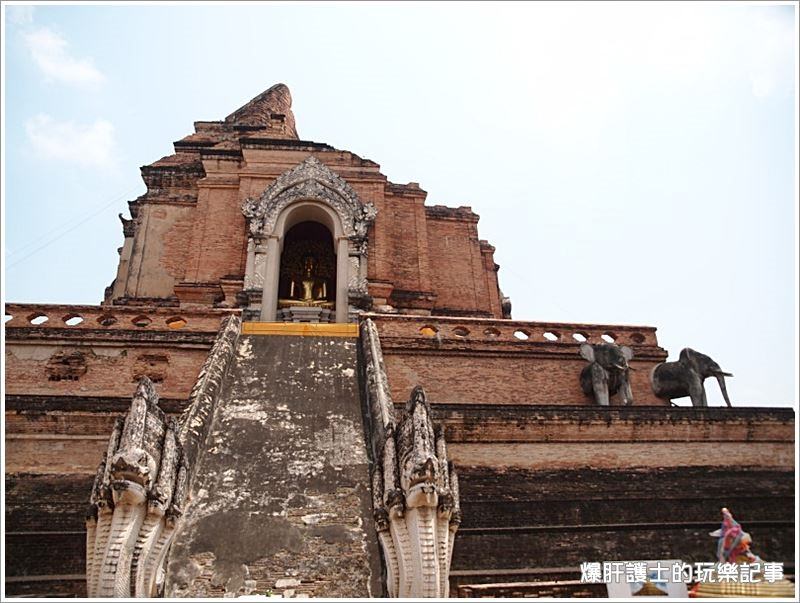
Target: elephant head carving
[(607, 372), (686, 376)]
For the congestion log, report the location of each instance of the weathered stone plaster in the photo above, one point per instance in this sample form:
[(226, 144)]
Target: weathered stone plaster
[(281, 499)]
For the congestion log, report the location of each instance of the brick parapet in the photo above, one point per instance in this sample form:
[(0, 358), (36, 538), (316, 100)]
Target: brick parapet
[(463, 360), (471, 335), (106, 319), (101, 357)]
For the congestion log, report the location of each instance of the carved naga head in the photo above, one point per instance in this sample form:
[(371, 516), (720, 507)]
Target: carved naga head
[(417, 448), (132, 462)]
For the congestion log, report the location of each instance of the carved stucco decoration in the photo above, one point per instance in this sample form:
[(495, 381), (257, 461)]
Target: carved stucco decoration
[(416, 503), (138, 496), (66, 366), (414, 487), (310, 179), (142, 482), (153, 366)]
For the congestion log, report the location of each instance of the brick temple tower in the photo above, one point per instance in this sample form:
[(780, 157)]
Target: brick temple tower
[(227, 219), (305, 380)]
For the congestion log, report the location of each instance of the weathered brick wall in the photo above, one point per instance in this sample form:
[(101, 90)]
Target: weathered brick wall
[(458, 269), (159, 222), (546, 488), (490, 270), (159, 257), (564, 438), (219, 243), (176, 245), (111, 369), (469, 361), (45, 540), (65, 385), (190, 231), (401, 217), (107, 353)]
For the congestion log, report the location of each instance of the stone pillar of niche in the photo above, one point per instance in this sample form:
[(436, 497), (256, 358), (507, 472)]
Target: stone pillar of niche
[(260, 248), (342, 278), (271, 271), (249, 264), (254, 277), (357, 277)]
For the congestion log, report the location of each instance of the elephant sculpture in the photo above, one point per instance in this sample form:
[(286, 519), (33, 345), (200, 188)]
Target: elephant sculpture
[(686, 376), (607, 372)]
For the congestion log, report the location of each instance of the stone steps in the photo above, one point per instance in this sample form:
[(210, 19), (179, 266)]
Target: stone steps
[(281, 498)]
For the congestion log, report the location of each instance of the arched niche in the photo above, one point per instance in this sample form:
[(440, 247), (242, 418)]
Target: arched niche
[(309, 192), (308, 265), (297, 213)]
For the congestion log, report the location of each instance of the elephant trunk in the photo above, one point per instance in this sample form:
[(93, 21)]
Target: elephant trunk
[(721, 380)]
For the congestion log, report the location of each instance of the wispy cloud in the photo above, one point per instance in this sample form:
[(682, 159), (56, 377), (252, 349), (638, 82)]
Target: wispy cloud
[(19, 14), (51, 53), (88, 145)]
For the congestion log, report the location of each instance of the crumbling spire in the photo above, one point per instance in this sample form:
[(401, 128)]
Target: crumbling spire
[(271, 106)]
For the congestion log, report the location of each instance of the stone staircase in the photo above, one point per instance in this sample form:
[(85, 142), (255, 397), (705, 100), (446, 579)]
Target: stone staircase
[(280, 500)]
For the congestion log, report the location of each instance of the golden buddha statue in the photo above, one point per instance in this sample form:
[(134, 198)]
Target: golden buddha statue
[(309, 289)]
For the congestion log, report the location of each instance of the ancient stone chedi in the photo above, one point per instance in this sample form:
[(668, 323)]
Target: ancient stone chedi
[(304, 380), (243, 205)]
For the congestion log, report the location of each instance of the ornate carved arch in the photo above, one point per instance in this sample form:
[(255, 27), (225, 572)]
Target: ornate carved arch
[(310, 179)]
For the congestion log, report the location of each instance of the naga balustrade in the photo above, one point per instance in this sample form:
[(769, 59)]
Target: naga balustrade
[(414, 487)]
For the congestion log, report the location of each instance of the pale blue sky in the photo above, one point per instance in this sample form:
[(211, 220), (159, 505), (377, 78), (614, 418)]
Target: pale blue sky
[(632, 163)]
